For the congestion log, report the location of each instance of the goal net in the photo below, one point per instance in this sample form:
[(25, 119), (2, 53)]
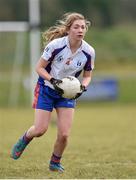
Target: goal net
[(19, 52)]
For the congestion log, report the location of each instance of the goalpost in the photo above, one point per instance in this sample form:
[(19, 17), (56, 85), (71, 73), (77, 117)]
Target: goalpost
[(33, 26), (34, 19)]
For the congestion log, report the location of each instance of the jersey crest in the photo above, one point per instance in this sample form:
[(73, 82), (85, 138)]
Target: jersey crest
[(59, 59)]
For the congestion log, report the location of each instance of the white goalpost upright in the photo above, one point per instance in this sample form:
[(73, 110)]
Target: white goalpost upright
[(34, 20), (33, 26)]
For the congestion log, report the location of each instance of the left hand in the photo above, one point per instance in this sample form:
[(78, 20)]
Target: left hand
[(55, 83), (83, 89)]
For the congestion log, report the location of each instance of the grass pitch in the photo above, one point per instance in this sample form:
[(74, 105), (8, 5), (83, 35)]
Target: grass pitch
[(102, 144)]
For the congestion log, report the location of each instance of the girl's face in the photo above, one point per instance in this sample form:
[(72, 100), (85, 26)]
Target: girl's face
[(77, 30)]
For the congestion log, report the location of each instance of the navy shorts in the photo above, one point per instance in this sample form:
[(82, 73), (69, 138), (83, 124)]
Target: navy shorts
[(46, 98)]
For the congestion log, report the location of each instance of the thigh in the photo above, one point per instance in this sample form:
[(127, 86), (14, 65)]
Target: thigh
[(42, 100), (64, 120), (42, 118)]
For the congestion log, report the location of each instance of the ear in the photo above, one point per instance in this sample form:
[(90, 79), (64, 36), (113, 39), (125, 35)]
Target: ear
[(67, 31)]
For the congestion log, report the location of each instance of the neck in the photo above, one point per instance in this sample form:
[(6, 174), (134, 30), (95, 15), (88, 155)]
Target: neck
[(74, 45)]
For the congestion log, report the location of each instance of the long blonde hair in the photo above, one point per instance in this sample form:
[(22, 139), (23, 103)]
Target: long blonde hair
[(62, 26)]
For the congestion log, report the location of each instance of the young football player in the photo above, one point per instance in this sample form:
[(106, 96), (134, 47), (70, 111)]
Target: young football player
[(66, 53)]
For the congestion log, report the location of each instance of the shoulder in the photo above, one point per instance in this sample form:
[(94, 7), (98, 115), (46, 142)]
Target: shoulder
[(87, 48), (57, 43), (53, 48)]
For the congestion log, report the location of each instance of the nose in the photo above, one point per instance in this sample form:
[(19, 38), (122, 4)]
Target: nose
[(80, 29)]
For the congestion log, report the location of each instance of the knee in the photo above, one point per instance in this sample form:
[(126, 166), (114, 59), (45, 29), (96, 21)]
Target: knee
[(39, 132), (63, 138)]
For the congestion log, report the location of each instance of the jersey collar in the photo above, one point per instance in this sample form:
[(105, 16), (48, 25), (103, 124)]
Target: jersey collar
[(67, 43)]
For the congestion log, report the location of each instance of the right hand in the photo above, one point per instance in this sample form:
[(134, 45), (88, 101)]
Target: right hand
[(83, 89), (55, 83)]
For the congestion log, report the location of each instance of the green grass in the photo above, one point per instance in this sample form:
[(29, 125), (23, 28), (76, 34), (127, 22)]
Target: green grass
[(115, 45), (115, 55), (126, 78), (102, 144)]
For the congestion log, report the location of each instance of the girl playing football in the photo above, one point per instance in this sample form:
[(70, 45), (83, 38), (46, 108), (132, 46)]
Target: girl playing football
[(66, 53)]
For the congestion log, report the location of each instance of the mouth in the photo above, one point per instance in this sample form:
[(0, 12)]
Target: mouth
[(80, 36)]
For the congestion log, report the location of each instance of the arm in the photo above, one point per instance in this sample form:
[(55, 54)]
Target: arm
[(85, 82), (86, 78), (40, 69)]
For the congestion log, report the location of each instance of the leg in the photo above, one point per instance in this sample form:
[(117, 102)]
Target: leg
[(40, 126), (41, 123), (64, 122)]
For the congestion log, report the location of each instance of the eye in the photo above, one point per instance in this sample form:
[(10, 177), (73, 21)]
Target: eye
[(76, 27), (83, 27)]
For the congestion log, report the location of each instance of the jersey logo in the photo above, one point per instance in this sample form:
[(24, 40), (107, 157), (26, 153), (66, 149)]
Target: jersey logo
[(47, 49), (69, 61), (79, 63), (59, 59)]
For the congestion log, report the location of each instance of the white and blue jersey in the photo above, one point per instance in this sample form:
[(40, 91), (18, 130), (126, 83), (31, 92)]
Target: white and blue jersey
[(62, 63)]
